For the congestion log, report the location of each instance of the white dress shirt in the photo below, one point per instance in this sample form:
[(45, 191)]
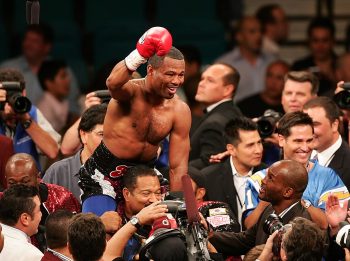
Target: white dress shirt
[(239, 182), (211, 107), (17, 246), (326, 156)]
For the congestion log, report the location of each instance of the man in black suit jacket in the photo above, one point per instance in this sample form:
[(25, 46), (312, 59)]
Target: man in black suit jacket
[(330, 150), (216, 90), (283, 187), (226, 181)]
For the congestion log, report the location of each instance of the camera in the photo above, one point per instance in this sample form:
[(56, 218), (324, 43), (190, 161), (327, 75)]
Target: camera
[(343, 235), (192, 234), (342, 99), (104, 95), (274, 223), (267, 123), (178, 209), (14, 97)]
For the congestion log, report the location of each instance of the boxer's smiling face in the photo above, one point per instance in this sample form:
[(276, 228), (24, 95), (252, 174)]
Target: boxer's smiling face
[(168, 77)]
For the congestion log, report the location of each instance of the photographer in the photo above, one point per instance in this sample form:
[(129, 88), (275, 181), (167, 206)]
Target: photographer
[(30, 131), (142, 189), (283, 187), (303, 240)]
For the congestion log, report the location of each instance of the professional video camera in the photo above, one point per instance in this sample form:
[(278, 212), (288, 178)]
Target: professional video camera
[(104, 95), (274, 223), (267, 123), (192, 233), (186, 215), (343, 235), (19, 103), (342, 99)]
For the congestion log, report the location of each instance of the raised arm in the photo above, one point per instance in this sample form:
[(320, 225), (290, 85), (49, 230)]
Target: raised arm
[(156, 40), (251, 220), (335, 213), (70, 142), (317, 215), (43, 135), (116, 81), (179, 147)]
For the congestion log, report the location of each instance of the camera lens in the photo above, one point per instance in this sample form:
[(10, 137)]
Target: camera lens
[(19, 103), (342, 99), (343, 236), (22, 105), (267, 123), (272, 223), (265, 127)]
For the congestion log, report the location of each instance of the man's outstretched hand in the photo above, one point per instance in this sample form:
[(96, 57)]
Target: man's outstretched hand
[(335, 212), (219, 157)]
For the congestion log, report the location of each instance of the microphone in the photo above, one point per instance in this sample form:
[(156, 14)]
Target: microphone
[(32, 11), (196, 243), (190, 200)]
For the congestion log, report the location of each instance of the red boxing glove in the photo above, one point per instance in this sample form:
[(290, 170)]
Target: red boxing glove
[(156, 40)]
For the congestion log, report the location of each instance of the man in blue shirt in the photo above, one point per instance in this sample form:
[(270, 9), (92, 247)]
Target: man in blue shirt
[(30, 131)]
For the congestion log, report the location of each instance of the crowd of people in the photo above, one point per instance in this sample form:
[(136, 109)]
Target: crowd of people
[(101, 181)]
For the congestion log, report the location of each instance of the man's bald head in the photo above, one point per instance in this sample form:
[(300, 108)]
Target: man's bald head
[(21, 168), (293, 173)]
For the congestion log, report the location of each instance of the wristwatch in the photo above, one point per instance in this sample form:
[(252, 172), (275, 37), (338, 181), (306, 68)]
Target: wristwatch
[(307, 204), (135, 222), (27, 123)]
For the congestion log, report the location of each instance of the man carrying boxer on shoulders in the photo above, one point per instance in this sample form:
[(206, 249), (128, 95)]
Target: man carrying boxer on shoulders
[(140, 115)]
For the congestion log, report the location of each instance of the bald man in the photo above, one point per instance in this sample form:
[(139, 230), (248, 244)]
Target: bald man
[(21, 168), (282, 187)]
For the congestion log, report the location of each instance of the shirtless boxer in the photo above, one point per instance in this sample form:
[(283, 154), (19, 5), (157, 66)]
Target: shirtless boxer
[(141, 114)]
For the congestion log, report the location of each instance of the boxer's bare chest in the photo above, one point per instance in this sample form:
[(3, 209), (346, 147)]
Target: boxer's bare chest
[(151, 124), (145, 121)]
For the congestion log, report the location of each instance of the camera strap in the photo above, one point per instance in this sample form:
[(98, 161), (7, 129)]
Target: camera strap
[(239, 201)]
